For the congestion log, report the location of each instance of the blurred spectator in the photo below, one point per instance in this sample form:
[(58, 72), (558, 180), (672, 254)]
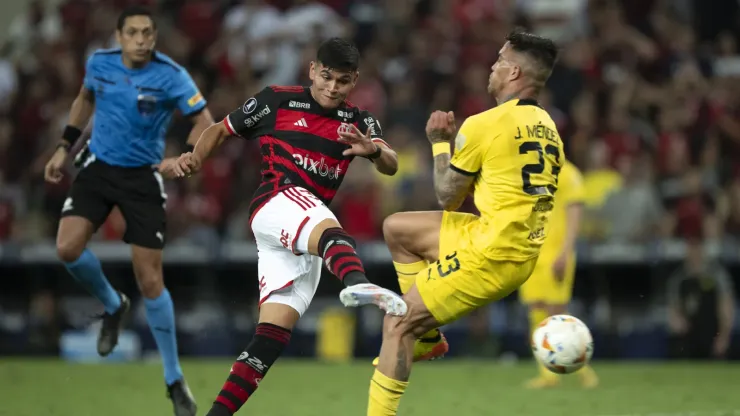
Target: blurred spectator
[(636, 87), (701, 306), (633, 211)]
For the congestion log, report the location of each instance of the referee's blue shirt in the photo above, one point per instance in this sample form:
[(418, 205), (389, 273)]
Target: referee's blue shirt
[(134, 107)]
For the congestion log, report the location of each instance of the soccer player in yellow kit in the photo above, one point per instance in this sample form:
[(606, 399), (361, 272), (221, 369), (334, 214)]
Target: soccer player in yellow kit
[(510, 157), (548, 290)]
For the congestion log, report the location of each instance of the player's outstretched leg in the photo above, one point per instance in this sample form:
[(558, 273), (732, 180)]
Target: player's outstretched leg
[(270, 339), (413, 240), (329, 241), (160, 315), (81, 263)]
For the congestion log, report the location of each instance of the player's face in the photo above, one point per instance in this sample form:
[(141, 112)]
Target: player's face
[(502, 71), (137, 38), (330, 86)]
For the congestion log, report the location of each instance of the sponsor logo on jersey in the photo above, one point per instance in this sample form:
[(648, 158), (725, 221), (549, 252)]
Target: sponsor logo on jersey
[(371, 126), (296, 104), (252, 120), (317, 167), (345, 114), (195, 99), (249, 106)]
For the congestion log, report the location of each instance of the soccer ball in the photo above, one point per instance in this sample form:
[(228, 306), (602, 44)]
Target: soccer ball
[(563, 344)]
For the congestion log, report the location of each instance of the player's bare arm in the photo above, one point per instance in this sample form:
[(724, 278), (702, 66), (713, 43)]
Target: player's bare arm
[(384, 158), (451, 187), (79, 115), (201, 121), (169, 167), (212, 137)]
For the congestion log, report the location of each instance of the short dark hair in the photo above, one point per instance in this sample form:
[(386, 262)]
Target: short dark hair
[(541, 50), (132, 11), (339, 54)]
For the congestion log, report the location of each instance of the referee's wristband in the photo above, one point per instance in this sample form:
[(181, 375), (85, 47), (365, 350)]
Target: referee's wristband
[(440, 148), (71, 134)]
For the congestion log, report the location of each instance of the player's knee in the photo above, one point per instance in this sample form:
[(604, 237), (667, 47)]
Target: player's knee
[(149, 280), (392, 229), (69, 250), (150, 287)]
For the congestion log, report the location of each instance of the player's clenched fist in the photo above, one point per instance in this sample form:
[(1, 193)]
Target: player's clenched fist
[(441, 127)]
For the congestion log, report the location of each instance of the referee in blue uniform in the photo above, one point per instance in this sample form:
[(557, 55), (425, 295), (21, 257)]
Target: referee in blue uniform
[(132, 93)]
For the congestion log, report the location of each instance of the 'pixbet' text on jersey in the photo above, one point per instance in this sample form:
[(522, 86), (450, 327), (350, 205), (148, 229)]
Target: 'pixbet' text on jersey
[(299, 140)]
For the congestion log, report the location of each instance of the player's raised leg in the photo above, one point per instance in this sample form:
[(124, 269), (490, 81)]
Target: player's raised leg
[(293, 240), (413, 240), (337, 248)]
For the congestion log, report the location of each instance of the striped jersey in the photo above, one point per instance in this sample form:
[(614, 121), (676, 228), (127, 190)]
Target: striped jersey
[(298, 140)]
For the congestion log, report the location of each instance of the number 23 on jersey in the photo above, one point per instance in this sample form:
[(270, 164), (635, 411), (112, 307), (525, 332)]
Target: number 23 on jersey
[(536, 180)]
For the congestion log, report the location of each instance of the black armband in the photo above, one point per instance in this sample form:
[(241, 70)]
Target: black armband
[(378, 152), (71, 134), (189, 147)]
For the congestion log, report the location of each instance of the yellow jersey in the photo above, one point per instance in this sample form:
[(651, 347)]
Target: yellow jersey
[(515, 153), (571, 190)]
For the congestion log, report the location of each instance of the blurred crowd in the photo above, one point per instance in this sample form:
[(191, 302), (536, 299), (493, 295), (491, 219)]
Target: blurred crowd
[(646, 96)]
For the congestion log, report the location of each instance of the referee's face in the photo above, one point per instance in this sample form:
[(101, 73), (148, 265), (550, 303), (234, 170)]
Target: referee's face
[(137, 38)]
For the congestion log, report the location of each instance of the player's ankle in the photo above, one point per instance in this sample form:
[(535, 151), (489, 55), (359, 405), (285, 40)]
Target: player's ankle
[(355, 278)]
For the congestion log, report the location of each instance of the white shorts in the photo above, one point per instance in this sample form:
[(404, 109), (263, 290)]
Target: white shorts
[(287, 273)]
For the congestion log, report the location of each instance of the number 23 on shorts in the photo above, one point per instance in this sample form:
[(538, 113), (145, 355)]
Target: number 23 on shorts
[(445, 267)]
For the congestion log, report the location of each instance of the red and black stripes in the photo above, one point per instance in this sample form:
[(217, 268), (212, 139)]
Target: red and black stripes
[(252, 365), (337, 248)]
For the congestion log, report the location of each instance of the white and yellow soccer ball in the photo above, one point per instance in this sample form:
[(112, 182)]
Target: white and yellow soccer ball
[(563, 344)]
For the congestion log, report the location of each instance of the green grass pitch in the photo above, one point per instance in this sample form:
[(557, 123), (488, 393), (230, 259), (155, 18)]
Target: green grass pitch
[(306, 388)]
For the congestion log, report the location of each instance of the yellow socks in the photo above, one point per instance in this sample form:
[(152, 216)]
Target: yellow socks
[(536, 316), (385, 395), (407, 277), (407, 273)]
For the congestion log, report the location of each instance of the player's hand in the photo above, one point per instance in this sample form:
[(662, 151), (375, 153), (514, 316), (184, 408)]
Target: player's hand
[(170, 169), (53, 169), (360, 144), (558, 268), (441, 127), (187, 164)]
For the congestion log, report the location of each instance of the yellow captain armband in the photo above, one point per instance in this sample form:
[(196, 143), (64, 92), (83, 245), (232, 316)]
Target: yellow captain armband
[(440, 148)]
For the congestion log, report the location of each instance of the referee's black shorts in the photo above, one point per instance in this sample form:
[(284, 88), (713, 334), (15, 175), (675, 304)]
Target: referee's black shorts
[(137, 192)]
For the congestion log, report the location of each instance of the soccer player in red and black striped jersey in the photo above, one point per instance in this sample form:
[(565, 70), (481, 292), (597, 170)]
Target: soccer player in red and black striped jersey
[(308, 137)]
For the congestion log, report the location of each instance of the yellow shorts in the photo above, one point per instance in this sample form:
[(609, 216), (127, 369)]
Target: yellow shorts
[(462, 280), (543, 287)]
